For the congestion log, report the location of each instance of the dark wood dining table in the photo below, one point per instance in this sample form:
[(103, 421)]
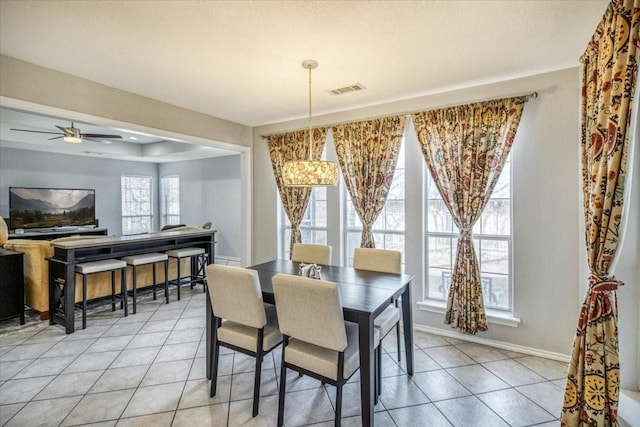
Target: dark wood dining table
[(364, 294)]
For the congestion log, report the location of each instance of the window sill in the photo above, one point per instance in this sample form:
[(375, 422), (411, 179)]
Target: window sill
[(493, 316)]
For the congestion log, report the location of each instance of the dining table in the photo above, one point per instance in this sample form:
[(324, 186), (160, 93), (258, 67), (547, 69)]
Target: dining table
[(364, 295)]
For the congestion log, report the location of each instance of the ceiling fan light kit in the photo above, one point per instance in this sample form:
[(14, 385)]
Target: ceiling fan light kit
[(72, 139), (310, 173), (73, 135)]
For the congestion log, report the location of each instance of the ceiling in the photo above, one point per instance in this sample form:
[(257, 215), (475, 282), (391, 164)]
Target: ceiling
[(241, 60)]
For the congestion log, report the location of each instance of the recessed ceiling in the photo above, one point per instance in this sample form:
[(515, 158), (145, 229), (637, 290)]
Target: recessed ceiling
[(240, 60), (134, 145)]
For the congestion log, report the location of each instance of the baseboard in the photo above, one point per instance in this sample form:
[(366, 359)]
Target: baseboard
[(227, 259), (629, 408), (494, 343)]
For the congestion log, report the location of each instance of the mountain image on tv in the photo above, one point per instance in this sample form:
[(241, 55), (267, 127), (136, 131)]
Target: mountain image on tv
[(51, 207)]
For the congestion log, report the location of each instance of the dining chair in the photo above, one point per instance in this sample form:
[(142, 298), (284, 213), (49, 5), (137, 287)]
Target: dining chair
[(241, 320), (316, 339), (311, 253), (384, 261)]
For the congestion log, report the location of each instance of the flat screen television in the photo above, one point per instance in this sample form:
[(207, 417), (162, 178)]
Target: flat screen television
[(46, 208)]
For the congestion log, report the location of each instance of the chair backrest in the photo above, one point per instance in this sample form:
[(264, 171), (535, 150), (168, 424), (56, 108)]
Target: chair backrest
[(310, 310), (305, 252), (382, 260), (236, 295)]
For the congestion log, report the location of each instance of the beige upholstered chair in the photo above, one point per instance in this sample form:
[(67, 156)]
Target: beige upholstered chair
[(316, 339), (249, 326), (384, 261), (309, 253)]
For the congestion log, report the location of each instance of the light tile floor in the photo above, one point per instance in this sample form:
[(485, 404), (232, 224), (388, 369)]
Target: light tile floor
[(149, 369)]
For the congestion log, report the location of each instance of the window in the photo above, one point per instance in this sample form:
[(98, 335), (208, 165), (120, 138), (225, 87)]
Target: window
[(170, 202), (313, 226), (388, 230), (491, 238), (136, 204)]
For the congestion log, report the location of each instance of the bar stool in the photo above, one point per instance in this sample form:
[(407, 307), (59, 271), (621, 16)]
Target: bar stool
[(112, 265), (198, 263), (144, 259)]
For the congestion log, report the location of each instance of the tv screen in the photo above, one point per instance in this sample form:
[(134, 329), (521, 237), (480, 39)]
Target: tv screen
[(31, 208)]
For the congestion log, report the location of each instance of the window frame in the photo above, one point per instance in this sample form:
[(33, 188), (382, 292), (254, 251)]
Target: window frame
[(166, 217), (378, 233), (130, 229), (478, 237)]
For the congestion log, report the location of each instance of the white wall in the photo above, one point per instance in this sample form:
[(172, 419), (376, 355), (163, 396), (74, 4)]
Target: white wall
[(545, 195), (210, 190), (25, 168)]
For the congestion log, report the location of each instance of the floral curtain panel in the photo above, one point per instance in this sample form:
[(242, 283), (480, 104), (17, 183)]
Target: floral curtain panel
[(465, 148), (610, 68), (368, 153), (289, 147)]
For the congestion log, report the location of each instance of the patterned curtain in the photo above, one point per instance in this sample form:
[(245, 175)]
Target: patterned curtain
[(368, 153), (609, 73), (288, 147), (465, 148)]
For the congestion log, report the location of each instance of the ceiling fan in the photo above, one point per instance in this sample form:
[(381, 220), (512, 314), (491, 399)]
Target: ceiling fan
[(74, 136)]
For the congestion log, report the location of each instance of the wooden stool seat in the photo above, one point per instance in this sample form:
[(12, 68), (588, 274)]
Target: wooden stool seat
[(144, 259), (199, 262), (112, 265)]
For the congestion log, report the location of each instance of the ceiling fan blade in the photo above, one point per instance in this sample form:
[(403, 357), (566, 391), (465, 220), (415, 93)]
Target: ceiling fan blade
[(64, 130), (36, 131), (56, 137), (100, 135)]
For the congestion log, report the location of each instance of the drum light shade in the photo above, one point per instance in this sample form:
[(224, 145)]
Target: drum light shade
[(310, 173)]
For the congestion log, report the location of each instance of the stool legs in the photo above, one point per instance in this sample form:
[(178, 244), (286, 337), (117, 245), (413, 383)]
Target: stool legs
[(178, 278), (166, 280), (123, 286), (84, 301), (135, 288)]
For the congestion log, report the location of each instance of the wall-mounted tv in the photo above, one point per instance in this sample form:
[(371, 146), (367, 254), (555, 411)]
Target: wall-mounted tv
[(31, 208)]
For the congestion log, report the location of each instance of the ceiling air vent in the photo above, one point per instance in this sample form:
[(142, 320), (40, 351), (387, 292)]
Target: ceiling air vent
[(347, 89)]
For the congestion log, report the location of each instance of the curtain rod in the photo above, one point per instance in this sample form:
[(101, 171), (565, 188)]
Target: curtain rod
[(527, 96)]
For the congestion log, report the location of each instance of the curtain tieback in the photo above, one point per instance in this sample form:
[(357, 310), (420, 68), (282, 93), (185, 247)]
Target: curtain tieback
[(603, 283), (465, 234)]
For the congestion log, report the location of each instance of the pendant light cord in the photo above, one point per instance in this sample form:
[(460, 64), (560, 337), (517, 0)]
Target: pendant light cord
[(310, 134)]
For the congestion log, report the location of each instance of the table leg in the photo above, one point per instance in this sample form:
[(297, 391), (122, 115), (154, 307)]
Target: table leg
[(367, 371), (69, 298), (407, 319)]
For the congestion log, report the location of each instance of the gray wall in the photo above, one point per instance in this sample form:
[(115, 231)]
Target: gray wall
[(209, 188), (25, 168), (210, 191)]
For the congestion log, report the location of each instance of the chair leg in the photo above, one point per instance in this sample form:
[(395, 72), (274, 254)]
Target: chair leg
[(256, 384), (214, 370), (378, 372), (338, 403), (398, 336), (283, 383)]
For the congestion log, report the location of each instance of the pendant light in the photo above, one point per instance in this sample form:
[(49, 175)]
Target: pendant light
[(309, 173)]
